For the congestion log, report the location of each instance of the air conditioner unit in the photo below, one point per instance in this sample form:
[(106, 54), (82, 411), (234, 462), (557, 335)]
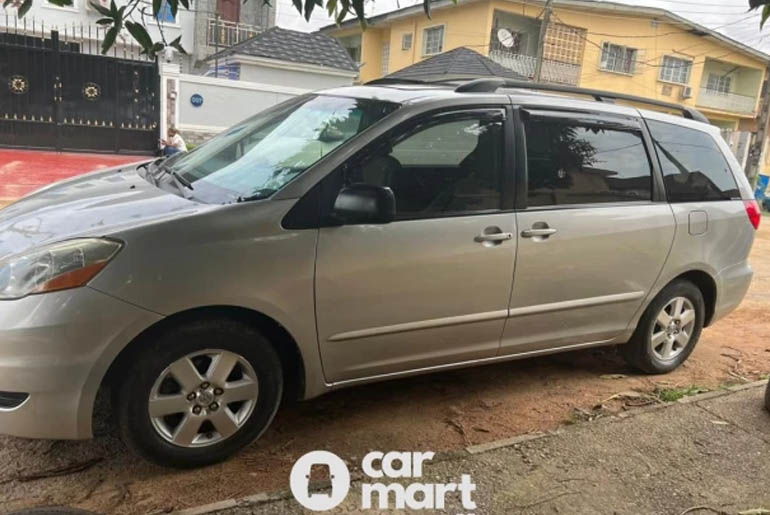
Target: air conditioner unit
[(686, 92)]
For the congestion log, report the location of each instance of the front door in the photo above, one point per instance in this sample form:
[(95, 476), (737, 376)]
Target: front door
[(229, 10), (592, 240), (432, 287)]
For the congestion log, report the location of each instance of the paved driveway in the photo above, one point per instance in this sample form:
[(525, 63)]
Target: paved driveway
[(23, 171)]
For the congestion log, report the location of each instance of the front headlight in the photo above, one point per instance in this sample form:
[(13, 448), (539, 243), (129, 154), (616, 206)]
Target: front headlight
[(68, 264)]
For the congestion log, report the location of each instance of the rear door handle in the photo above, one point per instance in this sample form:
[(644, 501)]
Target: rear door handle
[(531, 233), (495, 237)]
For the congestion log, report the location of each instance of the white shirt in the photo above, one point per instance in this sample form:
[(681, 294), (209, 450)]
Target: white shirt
[(177, 142)]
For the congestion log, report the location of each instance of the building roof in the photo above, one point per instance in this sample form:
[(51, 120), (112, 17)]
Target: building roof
[(587, 5), (293, 46), (460, 63)]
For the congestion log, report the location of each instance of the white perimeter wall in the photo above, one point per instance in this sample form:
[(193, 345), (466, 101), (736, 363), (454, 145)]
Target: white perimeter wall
[(227, 102)]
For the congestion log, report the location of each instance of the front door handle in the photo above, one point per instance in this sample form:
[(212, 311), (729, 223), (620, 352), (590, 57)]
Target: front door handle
[(495, 237), (534, 233)]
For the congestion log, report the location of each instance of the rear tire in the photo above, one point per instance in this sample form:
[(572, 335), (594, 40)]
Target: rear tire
[(198, 393), (668, 330)]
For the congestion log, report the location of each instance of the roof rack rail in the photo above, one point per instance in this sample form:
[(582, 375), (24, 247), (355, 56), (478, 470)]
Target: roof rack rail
[(493, 84)]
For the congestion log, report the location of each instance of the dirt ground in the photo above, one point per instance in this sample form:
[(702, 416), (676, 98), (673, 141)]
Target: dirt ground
[(437, 412)]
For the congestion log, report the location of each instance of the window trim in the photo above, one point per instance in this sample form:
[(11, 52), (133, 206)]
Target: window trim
[(403, 40), (424, 39), (669, 81), (625, 51), (611, 122)]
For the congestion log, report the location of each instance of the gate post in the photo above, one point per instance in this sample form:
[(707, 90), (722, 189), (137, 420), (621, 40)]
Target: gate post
[(169, 93), (57, 87)]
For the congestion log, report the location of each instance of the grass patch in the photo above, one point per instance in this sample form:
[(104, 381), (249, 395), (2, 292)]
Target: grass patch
[(674, 394)]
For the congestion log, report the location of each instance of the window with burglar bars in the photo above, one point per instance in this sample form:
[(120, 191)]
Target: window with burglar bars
[(618, 58), (433, 40), (564, 43), (385, 58), (718, 83), (675, 70)]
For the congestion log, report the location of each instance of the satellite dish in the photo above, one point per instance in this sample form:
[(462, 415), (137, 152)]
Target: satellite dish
[(505, 38)]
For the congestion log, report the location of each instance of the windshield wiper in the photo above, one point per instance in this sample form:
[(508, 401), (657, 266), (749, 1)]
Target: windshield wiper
[(163, 169), (257, 195)]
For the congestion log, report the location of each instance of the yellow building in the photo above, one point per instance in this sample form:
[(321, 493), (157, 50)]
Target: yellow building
[(642, 51)]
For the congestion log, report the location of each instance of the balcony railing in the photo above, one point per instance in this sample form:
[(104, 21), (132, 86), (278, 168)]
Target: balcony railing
[(726, 101), (552, 71), (224, 34)]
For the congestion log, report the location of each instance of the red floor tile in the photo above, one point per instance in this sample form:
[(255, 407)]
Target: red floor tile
[(23, 171)]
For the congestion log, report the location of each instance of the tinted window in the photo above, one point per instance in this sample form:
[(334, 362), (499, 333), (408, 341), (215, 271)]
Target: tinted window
[(447, 165), (575, 164), (694, 168)]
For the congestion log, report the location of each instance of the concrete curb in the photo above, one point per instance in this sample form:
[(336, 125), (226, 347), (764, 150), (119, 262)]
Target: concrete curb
[(264, 497)]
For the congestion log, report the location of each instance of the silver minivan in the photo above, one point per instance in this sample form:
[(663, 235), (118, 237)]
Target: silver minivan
[(363, 234)]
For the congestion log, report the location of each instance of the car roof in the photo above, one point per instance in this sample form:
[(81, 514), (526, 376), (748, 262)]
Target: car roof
[(415, 93)]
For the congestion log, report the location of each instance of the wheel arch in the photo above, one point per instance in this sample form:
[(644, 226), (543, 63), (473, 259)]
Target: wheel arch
[(284, 343), (708, 288)]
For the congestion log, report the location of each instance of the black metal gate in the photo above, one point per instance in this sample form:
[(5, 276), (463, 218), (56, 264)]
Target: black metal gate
[(56, 95)]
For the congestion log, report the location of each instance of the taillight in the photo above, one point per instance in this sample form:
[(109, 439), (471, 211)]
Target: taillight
[(752, 209)]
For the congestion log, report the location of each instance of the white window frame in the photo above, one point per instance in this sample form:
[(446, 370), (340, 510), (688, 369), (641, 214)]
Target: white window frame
[(425, 39), (604, 58), (404, 37), (671, 79), (723, 83)]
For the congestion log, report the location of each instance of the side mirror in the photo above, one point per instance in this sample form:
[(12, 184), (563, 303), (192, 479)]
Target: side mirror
[(365, 204)]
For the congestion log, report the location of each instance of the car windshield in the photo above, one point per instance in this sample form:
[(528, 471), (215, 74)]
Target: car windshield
[(260, 155)]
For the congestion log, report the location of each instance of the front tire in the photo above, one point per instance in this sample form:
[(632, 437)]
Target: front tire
[(668, 330), (198, 393)]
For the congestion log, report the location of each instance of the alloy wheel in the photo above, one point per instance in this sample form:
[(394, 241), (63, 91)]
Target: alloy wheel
[(203, 398), (673, 329)]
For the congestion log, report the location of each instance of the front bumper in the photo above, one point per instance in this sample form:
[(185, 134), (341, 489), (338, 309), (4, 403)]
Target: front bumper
[(56, 348)]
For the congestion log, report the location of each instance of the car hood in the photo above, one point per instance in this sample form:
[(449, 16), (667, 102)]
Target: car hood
[(96, 204)]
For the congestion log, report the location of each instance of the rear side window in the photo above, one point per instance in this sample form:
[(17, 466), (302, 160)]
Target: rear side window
[(571, 163), (694, 169)]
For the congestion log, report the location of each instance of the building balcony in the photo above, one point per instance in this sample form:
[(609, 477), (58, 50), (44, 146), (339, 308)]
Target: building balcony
[(221, 33), (732, 102), (729, 87), (552, 71)]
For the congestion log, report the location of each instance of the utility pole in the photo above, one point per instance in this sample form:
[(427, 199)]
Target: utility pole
[(541, 39), (216, 46)]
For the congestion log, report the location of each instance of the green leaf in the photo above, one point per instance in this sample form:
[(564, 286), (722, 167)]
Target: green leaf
[(331, 5), (113, 9), (178, 45), (426, 7), (24, 8), (309, 6), (185, 4), (109, 38), (101, 10), (753, 4), (343, 12), (104, 21), (61, 3), (174, 6), (140, 34), (358, 8), (297, 5), (156, 5), (765, 16)]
